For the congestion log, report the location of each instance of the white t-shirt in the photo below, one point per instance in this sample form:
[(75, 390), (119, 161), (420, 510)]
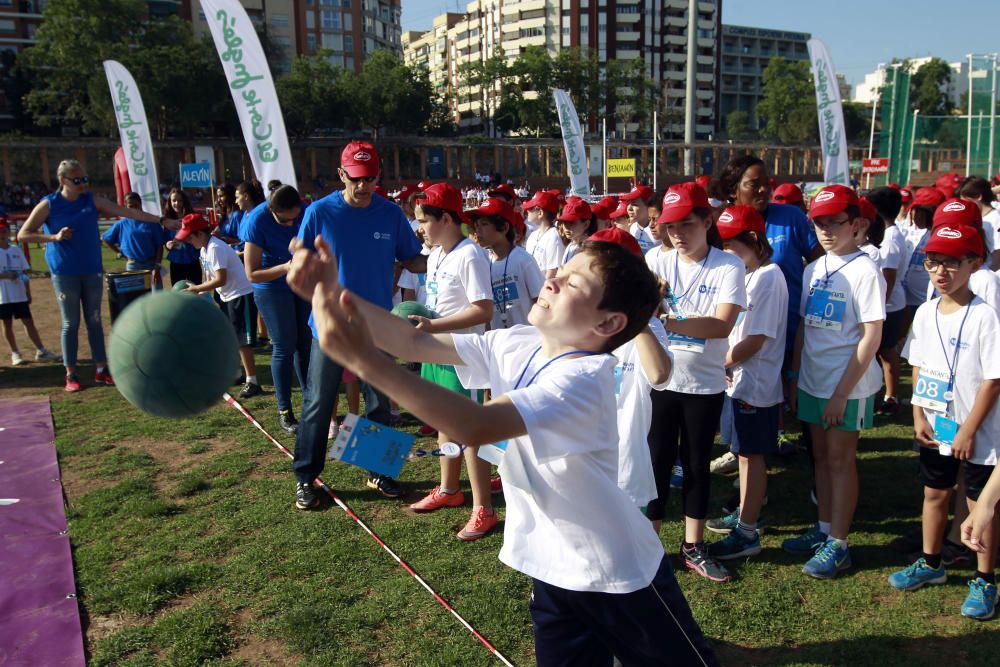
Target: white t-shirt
[(516, 281), (457, 279), (893, 255), (635, 414), (991, 229), (856, 291), (698, 287), (984, 283), (643, 236), (217, 254), (415, 281), (12, 259), (873, 253), (568, 524), (978, 360), (757, 380), (916, 281), (571, 249), (546, 247)]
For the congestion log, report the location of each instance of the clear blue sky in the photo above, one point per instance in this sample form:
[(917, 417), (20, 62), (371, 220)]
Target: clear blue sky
[(859, 33)]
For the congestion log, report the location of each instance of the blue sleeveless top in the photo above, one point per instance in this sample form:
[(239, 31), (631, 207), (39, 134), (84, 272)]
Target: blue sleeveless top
[(80, 255)]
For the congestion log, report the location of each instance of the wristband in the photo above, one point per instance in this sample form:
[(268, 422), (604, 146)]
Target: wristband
[(791, 375)]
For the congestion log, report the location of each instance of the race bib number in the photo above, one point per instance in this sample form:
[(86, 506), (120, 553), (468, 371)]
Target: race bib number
[(432, 294), (930, 391), (678, 341), (945, 430), (825, 309), (504, 296)]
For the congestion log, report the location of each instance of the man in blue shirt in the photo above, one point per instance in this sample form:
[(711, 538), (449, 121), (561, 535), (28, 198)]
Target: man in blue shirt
[(140, 243), (368, 235)]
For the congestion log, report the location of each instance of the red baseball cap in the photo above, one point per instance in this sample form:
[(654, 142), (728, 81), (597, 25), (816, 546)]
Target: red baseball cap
[(928, 197), (740, 218), (680, 200), (359, 159), (603, 208), (406, 192), (894, 186), (643, 192), (517, 220), (503, 189), (787, 193), (620, 212), (574, 210), (867, 208), (190, 223), (619, 236), (704, 181), (544, 200), (831, 200), (423, 185), (956, 241), (445, 197), (492, 206), (957, 212), (906, 194)]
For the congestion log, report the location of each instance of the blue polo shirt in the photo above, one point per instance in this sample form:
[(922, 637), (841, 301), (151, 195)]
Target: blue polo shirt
[(791, 238), (367, 243), (260, 228), (138, 240), (80, 255)]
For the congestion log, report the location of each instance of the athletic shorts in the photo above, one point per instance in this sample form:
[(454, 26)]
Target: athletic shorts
[(752, 430), (18, 311), (444, 375), (858, 414), (242, 313), (890, 328), (941, 472)]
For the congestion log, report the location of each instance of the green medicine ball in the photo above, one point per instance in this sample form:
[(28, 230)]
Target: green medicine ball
[(172, 356), (180, 285), (408, 308)]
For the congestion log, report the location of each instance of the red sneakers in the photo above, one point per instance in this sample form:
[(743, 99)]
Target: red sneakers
[(480, 523), (103, 376), (436, 499), (73, 383)]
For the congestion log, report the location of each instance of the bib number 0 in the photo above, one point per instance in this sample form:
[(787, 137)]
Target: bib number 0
[(825, 309)]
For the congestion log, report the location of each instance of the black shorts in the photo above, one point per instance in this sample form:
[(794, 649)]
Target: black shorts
[(890, 329), (18, 311), (242, 312), (941, 472)]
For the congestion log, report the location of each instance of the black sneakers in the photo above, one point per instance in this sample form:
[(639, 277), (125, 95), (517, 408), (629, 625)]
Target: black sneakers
[(250, 389), (288, 421), (305, 496), (386, 485)]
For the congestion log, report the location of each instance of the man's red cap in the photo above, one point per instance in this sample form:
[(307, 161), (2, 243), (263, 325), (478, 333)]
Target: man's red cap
[(603, 208), (190, 223), (867, 208), (620, 212), (643, 192), (406, 192), (544, 200), (738, 219), (956, 241), (680, 200), (928, 197), (619, 236), (957, 212), (503, 189), (423, 185), (359, 159), (831, 200), (574, 210), (704, 181), (445, 197), (787, 193)]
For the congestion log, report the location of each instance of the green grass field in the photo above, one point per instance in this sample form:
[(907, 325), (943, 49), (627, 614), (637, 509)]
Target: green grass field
[(188, 551)]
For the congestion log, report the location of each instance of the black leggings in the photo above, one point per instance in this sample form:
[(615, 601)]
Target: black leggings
[(688, 422)]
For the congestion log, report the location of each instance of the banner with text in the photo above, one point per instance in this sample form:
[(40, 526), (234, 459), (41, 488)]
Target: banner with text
[(576, 154), (621, 167), (831, 115), (252, 88), (134, 132)]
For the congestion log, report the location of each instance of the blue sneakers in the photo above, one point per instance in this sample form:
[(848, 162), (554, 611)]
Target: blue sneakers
[(735, 545), (677, 477), (828, 561), (916, 576), (726, 524), (981, 603), (807, 543)]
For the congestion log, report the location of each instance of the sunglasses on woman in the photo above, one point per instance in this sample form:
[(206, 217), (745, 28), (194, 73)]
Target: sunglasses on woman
[(77, 180)]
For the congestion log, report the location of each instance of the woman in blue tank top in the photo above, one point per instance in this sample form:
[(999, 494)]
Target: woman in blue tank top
[(66, 222)]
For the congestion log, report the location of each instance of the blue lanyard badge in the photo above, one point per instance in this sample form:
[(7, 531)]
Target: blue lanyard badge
[(619, 372), (517, 385), (505, 294), (935, 389), (945, 431), (676, 341), (825, 308)]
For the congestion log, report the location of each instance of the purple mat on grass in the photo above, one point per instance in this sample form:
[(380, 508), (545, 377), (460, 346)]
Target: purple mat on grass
[(39, 617)]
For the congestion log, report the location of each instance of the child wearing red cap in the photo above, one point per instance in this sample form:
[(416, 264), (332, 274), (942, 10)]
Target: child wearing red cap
[(544, 244), (755, 394), (578, 223), (459, 291), (916, 233), (833, 365), (977, 190), (984, 283), (705, 297), (637, 207), (956, 382)]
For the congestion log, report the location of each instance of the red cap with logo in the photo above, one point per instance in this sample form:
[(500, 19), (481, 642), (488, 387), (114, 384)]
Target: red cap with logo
[(619, 236), (831, 200), (544, 200), (190, 223), (704, 181), (643, 192), (955, 212), (445, 197), (947, 183), (503, 189), (956, 241), (787, 193), (867, 208), (680, 200), (928, 197), (359, 159), (603, 208), (492, 206), (406, 192), (620, 212), (738, 219), (574, 210), (906, 194), (423, 185)]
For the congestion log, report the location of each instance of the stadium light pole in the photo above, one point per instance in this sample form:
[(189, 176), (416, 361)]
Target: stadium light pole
[(968, 118), (993, 117), (689, 102), (913, 137)]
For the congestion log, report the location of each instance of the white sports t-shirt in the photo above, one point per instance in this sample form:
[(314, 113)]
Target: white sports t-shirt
[(217, 254), (546, 248), (643, 236), (698, 287), (931, 347), (516, 281), (991, 229), (916, 281), (415, 281), (833, 312), (893, 255), (635, 414), (873, 253), (457, 279), (12, 259), (757, 380), (568, 524)]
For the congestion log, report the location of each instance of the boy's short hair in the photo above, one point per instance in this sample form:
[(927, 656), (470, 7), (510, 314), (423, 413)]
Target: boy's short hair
[(498, 222), (132, 195), (629, 287), (437, 212)]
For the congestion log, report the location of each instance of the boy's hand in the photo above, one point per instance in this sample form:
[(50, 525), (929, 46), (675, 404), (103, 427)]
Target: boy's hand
[(171, 245), (311, 269), (922, 431), (833, 415), (423, 323), (976, 525), (964, 444)]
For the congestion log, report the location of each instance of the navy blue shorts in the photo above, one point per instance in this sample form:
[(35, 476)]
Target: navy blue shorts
[(752, 430), (650, 626)]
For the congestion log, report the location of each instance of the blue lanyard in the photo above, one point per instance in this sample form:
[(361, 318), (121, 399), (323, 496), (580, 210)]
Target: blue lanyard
[(677, 261), (953, 364), (503, 285), (547, 364), (826, 270)]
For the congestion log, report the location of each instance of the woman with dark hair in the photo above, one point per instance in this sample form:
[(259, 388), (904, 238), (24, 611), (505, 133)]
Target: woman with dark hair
[(183, 257), (977, 190), (225, 206)]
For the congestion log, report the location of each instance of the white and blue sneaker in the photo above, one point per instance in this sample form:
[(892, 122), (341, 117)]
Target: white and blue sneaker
[(806, 543), (981, 603), (828, 560), (727, 524), (918, 575), (735, 545)]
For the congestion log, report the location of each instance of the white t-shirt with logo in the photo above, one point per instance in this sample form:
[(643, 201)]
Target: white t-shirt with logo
[(978, 360), (568, 524), (698, 287), (643, 236), (457, 279), (991, 229), (12, 259), (546, 248), (415, 281), (217, 254), (517, 281), (757, 380), (916, 281), (832, 317), (635, 414), (892, 252)]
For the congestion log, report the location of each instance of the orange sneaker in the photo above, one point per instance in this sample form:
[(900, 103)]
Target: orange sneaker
[(437, 499), (480, 523)]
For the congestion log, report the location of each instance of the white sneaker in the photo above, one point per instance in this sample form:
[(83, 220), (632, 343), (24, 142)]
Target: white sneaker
[(46, 355), (725, 464), (16, 359)]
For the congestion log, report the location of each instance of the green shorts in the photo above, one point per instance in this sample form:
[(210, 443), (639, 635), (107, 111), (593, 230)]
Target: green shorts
[(444, 375), (857, 415)]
